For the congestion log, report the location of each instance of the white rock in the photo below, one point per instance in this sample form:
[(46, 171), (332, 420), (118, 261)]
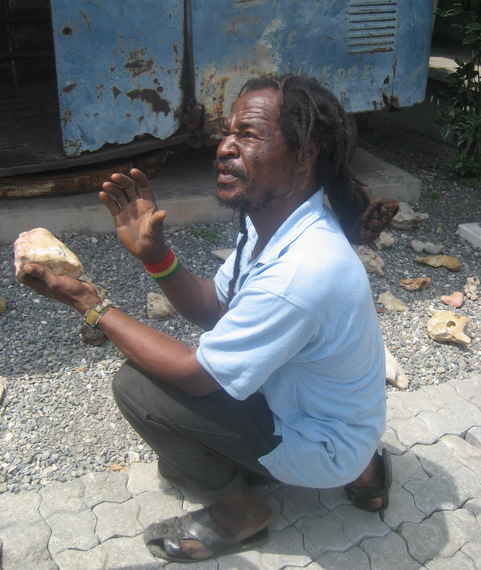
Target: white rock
[(391, 303), (386, 239), (372, 262), (407, 218), (42, 247), (159, 307), (395, 374)]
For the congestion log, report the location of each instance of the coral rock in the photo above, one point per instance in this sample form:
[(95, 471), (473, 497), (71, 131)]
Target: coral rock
[(42, 247), (159, 307), (471, 288), (395, 374), (447, 261), (385, 240), (454, 300), (407, 218), (415, 284), (372, 262), (447, 326), (391, 303)]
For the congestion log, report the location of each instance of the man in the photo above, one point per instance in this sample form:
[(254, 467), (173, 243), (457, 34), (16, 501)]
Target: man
[(288, 382)]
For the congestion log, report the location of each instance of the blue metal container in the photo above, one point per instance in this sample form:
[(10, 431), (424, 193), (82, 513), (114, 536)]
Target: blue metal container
[(134, 68)]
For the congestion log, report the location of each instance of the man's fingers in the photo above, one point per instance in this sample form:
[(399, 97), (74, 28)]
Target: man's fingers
[(108, 201), (158, 217), (143, 184)]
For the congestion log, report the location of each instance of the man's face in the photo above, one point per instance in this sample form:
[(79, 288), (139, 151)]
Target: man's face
[(254, 164)]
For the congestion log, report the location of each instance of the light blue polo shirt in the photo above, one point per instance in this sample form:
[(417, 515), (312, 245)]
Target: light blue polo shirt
[(302, 329)]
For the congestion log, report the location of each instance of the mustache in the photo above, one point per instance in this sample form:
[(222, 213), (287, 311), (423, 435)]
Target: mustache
[(230, 167)]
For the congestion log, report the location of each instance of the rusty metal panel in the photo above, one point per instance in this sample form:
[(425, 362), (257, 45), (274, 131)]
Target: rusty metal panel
[(118, 70), (370, 53)]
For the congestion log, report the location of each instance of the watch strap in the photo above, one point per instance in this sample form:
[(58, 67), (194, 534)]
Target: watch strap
[(95, 313)]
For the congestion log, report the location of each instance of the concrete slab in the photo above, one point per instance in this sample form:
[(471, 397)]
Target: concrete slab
[(471, 233), (186, 190)]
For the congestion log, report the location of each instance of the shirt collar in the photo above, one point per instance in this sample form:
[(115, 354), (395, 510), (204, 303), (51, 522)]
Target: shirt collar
[(308, 212)]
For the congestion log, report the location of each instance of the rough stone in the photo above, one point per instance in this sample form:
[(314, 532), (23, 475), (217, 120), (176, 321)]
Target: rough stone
[(415, 284), (407, 218), (447, 261), (454, 300), (42, 247), (391, 303), (394, 371), (386, 239), (471, 288), (473, 437), (372, 262), (448, 326), (159, 307)]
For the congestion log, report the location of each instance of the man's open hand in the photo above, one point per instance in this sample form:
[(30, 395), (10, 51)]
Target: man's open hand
[(138, 221)]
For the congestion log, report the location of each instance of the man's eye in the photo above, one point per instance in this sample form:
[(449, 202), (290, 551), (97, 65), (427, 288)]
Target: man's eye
[(249, 135)]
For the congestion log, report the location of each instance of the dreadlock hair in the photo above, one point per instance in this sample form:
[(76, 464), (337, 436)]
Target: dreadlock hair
[(309, 112)]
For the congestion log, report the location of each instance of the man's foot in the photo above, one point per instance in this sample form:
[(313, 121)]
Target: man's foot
[(237, 523), (370, 490)]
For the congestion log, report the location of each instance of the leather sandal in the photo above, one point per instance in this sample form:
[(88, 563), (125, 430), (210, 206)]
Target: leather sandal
[(360, 496), (163, 538)]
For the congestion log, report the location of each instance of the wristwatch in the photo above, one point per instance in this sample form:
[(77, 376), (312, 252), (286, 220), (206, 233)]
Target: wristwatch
[(95, 313)]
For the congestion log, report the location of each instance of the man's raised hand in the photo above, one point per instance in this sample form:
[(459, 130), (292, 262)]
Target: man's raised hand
[(138, 221)]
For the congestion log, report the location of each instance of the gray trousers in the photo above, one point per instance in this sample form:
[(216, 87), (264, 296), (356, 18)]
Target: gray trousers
[(209, 444)]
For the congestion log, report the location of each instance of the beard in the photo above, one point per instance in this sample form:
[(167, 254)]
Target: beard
[(239, 202)]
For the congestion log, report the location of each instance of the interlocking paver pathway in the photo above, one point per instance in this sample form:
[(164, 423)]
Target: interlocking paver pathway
[(433, 521)]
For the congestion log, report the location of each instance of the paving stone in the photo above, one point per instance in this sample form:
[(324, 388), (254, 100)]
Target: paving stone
[(457, 562), (474, 505), (358, 525), (450, 483), (62, 497), (391, 442), (407, 467), (25, 546), (473, 551), (469, 388), (455, 418), (441, 394), (396, 409), (130, 553), (72, 530), (145, 477), (116, 520), (473, 436), (333, 498), (101, 487), (82, 559), (388, 552), (415, 402), (12, 505), (159, 505), (282, 548), (412, 431), (291, 503), (465, 453), (401, 508), (441, 535), (323, 534), (353, 558)]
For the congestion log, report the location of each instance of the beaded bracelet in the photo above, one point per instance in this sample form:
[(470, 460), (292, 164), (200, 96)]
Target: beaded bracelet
[(164, 269)]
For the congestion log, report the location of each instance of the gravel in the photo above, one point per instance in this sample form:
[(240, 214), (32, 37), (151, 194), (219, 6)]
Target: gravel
[(58, 419)]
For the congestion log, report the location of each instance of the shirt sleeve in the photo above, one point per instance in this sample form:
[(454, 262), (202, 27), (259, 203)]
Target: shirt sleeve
[(255, 338)]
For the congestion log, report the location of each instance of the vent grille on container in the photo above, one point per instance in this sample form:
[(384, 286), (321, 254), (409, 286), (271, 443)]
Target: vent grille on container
[(372, 26)]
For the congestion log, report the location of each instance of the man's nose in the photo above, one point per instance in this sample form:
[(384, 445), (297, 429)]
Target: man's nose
[(227, 147)]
